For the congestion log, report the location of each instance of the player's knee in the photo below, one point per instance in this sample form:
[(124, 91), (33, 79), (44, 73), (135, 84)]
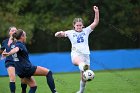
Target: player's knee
[(34, 87), (49, 73), (81, 65), (12, 78)]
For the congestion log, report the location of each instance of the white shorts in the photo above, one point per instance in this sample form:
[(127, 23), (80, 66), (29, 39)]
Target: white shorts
[(83, 57)]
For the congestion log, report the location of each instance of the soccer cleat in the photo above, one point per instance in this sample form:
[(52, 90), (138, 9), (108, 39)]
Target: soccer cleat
[(86, 67), (83, 66)]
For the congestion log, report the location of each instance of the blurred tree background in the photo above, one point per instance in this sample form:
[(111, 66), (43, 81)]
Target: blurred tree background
[(119, 26)]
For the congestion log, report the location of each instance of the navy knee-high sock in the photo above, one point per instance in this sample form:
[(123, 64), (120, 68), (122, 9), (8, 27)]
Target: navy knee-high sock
[(50, 82), (33, 89), (23, 86), (12, 87)]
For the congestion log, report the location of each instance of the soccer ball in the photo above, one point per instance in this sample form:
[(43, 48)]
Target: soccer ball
[(88, 75)]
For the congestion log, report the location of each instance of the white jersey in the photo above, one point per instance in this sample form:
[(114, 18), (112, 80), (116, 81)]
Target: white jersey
[(79, 40)]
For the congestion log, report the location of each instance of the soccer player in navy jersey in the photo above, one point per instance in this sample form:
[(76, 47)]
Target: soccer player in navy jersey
[(24, 68), (9, 62)]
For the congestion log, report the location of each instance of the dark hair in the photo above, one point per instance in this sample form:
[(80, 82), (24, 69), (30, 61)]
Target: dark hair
[(17, 34)]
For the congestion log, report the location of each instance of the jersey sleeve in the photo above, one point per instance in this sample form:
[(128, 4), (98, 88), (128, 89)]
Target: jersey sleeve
[(88, 30), (67, 33), (19, 45)]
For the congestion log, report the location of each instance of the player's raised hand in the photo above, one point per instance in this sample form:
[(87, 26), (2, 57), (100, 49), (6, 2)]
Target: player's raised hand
[(95, 8)]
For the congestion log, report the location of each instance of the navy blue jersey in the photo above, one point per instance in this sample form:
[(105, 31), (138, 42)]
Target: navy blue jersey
[(23, 65), (5, 46), (22, 54)]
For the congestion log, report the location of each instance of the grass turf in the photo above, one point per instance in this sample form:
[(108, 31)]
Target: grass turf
[(111, 81)]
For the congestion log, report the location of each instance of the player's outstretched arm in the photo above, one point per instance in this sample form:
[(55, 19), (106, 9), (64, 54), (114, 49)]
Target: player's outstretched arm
[(96, 17), (14, 50), (60, 34)]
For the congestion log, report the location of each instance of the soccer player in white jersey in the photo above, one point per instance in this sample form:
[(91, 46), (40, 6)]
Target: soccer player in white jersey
[(79, 40)]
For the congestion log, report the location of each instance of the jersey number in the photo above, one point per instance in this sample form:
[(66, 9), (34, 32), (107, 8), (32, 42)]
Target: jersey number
[(15, 58), (80, 39)]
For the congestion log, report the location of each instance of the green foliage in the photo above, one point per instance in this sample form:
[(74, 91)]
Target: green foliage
[(118, 27), (118, 19)]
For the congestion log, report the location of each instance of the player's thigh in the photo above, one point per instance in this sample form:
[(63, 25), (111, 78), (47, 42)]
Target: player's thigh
[(11, 72), (75, 58), (86, 59), (41, 71), (30, 81)]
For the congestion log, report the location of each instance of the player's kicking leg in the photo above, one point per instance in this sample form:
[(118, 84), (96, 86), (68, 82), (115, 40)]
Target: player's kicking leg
[(41, 71), (83, 66)]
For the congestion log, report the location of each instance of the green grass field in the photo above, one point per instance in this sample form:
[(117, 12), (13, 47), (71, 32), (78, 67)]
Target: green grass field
[(111, 81)]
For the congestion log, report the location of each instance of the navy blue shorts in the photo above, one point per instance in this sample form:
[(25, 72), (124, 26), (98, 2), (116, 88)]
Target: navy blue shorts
[(28, 73), (9, 64)]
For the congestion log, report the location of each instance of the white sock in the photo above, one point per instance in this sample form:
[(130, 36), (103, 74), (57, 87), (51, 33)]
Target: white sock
[(82, 86), (81, 66)]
